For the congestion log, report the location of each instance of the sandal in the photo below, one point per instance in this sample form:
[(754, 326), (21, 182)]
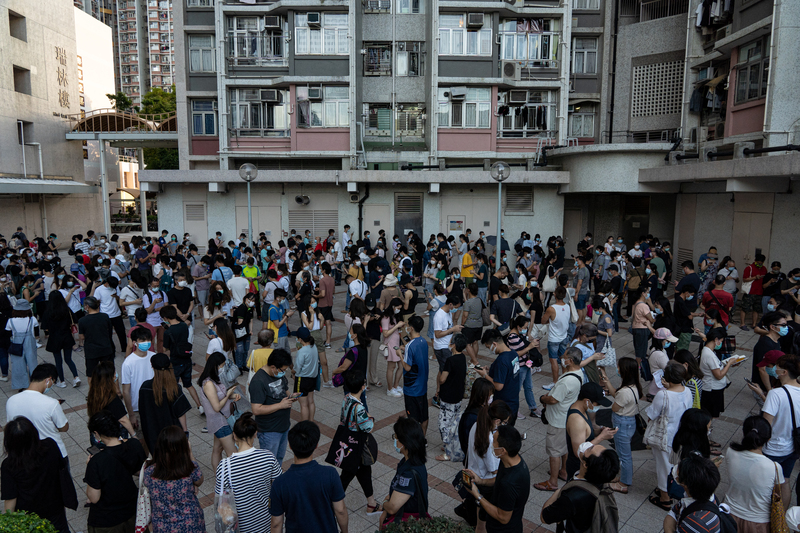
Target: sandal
[(443, 457), (373, 510), (714, 444), (377, 384), (545, 486), (619, 487), (656, 500)]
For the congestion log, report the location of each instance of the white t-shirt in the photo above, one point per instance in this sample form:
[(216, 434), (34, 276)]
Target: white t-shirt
[(442, 321), (709, 361), (777, 405), (74, 301), (337, 250), (130, 294), (673, 404), (108, 302), (215, 345), (750, 492), (358, 288), (43, 411), (135, 371), (269, 291), (239, 287), (485, 467)]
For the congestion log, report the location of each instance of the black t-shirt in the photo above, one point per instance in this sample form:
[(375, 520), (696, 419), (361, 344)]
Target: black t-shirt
[(575, 506), (181, 298), (156, 417), (176, 340), (96, 330), (494, 286), (241, 319), (468, 419), (616, 286), (763, 345), (36, 489), (505, 309), (775, 288), (405, 482), (452, 390), (373, 329), (116, 408), (268, 390), (357, 363), (690, 279), (511, 490), (682, 311), (111, 472), (559, 257)]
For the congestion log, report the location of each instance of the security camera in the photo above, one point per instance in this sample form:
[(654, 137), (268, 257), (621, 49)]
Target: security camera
[(302, 199)]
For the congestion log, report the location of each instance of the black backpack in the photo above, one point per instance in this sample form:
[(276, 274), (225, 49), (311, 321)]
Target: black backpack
[(726, 522)]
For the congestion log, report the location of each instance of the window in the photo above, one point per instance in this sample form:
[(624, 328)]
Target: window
[(379, 119), (585, 4), (24, 131), (377, 6), (204, 118), (464, 110), (329, 111), (410, 59), (22, 80), (529, 113), (581, 120), (17, 26), (533, 42), (259, 112), (407, 7), (201, 53), (409, 120), (378, 59), (328, 38), (457, 40), (584, 55), (752, 71)]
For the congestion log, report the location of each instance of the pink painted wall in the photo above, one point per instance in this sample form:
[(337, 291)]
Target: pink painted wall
[(322, 139), (461, 140), (205, 145), (743, 118), (266, 144)]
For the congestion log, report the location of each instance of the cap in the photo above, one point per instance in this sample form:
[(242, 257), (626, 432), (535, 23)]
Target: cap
[(405, 279), (770, 358), (665, 335), (302, 333), (389, 281), (594, 392), (22, 305), (160, 361)]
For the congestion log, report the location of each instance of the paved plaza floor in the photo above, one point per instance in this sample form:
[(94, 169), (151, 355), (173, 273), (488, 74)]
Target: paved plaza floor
[(636, 513)]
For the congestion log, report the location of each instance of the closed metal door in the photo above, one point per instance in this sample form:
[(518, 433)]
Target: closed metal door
[(407, 213)]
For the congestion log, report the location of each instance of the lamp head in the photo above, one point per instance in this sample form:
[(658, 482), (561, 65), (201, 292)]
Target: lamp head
[(248, 172), (500, 171)]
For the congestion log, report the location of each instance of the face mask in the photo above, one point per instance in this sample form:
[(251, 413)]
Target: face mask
[(49, 257), (249, 304), (221, 291), (709, 322), (439, 265), (453, 311), (783, 331), (636, 246), (433, 262), (619, 241), (493, 348), (523, 331), (358, 263), (659, 311), (396, 447), (495, 453), (144, 346), (796, 278), (666, 249), (35, 272), (70, 284), (771, 372), (648, 271), (667, 344), (770, 307), (717, 346), (502, 233), (592, 408), (690, 297), (576, 264), (397, 311), (48, 389), (597, 252), (280, 374), (456, 276), (183, 284)]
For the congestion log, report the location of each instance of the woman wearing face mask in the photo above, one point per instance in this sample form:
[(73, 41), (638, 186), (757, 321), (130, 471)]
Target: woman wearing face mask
[(521, 282), (691, 438), (694, 376), (313, 320), (6, 312), (104, 396), (240, 323), (217, 404), (213, 308), (390, 326), (581, 428), (223, 340), (306, 372), (454, 284), (665, 319), (21, 326), (642, 326), (429, 279), (408, 491), (625, 408), (481, 461), (60, 340), (712, 397), (356, 357), (604, 321), (658, 359), (154, 299)]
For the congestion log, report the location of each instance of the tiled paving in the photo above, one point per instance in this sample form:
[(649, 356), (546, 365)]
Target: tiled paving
[(636, 513)]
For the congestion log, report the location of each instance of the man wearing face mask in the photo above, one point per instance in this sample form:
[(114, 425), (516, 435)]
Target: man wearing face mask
[(136, 369), (504, 373), (777, 326), (790, 287), (43, 411), (581, 427), (685, 309), (443, 330), (271, 405)]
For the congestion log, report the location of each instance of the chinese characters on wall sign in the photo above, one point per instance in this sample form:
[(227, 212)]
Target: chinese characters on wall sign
[(63, 80)]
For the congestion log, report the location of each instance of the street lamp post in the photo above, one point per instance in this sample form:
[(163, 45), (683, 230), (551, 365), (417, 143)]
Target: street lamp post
[(500, 172), (248, 173)]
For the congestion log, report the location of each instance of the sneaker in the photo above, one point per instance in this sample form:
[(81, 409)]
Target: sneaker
[(394, 393), (38, 344), (328, 384), (328, 345), (76, 382), (535, 413), (536, 369), (520, 416), (548, 386), (204, 430), (61, 385), (3, 378), (435, 401), (200, 408), (744, 328)]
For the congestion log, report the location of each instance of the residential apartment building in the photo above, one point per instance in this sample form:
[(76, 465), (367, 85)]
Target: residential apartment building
[(41, 173), (333, 99)]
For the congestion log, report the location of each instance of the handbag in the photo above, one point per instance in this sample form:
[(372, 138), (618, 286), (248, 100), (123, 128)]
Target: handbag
[(548, 284), (538, 331), (226, 518), (383, 350), (144, 512), (777, 514), (230, 372), (610, 353), (234, 416), (747, 285), (656, 433), (347, 446), (641, 425), (485, 315)]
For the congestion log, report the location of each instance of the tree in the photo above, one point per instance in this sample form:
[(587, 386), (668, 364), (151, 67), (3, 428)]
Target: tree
[(160, 101), (120, 101)]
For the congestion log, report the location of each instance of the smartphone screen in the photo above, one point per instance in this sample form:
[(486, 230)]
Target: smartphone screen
[(93, 450), (465, 479)]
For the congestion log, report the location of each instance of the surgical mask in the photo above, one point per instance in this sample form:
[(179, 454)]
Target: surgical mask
[(659, 311), (636, 246), (534, 283), (770, 307), (396, 447), (667, 344), (358, 263), (48, 389), (493, 348), (249, 304), (313, 305), (597, 252), (174, 238), (49, 257), (439, 265), (718, 346), (397, 311), (495, 453), (144, 346), (709, 322), (783, 331), (576, 263), (183, 284), (666, 249), (690, 297), (592, 409), (771, 372), (619, 240), (221, 291), (523, 331), (502, 233), (456, 276), (648, 271), (70, 284), (280, 374)]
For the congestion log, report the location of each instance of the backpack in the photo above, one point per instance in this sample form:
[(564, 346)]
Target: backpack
[(605, 518), (726, 522)]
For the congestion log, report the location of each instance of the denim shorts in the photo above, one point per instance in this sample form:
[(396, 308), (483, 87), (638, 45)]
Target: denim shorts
[(223, 432), (581, 303), (787, 463)]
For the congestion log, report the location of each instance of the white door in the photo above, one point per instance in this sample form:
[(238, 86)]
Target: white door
[(376, 217), (195, 224)]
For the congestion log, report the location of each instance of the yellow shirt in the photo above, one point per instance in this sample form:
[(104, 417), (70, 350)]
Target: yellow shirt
[(259, 358), (466, 266), (356, 272)]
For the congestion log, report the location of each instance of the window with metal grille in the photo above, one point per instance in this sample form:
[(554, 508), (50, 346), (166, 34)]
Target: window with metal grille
[(657, 89), (378, 59), (408, 203), (519, 199), (195, 212)]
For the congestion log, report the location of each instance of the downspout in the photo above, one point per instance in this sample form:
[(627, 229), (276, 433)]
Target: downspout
[(767, 126), (394, 73), (42, 202), (613, 74), (361, 138), (22, 137), (687, 85), (361, 209)]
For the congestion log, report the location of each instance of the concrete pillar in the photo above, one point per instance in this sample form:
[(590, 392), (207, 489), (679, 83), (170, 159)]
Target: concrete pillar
[(104, 189), (142, 194)]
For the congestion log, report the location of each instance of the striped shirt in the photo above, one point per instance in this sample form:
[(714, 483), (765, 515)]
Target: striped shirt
[(83, 247), (250, 473), (700, 521)]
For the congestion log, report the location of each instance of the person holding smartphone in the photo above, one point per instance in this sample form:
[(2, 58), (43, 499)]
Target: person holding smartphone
[(217, 403)]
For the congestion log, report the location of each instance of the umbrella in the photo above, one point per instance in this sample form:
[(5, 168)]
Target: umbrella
[(492, 240)]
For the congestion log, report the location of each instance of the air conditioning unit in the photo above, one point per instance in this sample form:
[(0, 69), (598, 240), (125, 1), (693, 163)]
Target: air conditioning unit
[(702, 134), (722, 32), (512, 70), (315, 93), (474, 19), (457, 93), (517, 97), (314, 20), (269, 95), (272, 22), (354, 198)]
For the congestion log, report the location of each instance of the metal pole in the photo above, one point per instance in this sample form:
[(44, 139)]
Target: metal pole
[(249, 217), (498, 248), (104, 190), (142, 194)]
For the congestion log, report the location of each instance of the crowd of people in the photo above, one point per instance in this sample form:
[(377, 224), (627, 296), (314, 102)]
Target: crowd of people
[(519, 302)]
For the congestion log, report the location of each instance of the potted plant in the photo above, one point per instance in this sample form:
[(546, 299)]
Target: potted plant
[(23, 522), (438, 524)]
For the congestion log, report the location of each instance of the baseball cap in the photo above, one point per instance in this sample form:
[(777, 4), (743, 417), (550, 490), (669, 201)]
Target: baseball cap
[(160, 361), (594, 392), (770, 358), (665, 335)]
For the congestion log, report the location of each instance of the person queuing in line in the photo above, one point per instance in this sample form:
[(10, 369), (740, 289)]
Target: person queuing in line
[(217, 401), (161, 401)]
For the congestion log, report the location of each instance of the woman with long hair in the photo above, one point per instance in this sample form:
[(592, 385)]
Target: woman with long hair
[(154, 299), (390, 327), (213, 308), (356, 357), (692, 434), (30, 473), (604, 321), (223, 340), (104, 396), (313, 320), (408, 491), (665, 319), (623, 417), (60, 340), (482, 391), (161, 401), (251, 471), (217, 404), (172, 478)]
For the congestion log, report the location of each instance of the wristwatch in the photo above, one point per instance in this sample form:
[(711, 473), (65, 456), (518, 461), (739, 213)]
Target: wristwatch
[(478, 500)]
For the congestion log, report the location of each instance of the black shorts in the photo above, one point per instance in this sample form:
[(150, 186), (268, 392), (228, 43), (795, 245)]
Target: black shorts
[(183, 373), (91, 364), (305, 385), (327, 313), (472, 334), (713, 401), (416, 407)]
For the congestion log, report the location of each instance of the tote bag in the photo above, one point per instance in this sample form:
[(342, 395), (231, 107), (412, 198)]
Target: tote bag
[(144, 512), (610, 353), (656, 433)]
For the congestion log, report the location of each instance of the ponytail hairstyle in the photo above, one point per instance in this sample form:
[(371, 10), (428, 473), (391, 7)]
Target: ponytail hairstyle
[(757, 432), (245, 428), (498, 410)]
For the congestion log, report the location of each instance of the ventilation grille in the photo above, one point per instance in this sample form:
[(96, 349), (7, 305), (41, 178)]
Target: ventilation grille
[(519, 199), (657, 89), (318, 221), (195, 212), (684, 254), (409, 203)]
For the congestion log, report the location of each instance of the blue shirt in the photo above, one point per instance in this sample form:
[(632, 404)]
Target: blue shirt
[(276, 315), (415, 381), (505, 370), (222, 273), (305, 494)]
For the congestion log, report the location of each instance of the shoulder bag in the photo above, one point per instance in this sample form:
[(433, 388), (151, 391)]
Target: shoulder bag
[(641, 425), (144, 511), (795, 429), (777, 513), (17, 348), (610, 352), (485, 315), (656, 433), (548, 284), (747, 285), (338, 379), (226, 518)]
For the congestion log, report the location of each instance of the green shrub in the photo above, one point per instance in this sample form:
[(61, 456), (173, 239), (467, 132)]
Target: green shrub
[(23, 522), (439, 524)]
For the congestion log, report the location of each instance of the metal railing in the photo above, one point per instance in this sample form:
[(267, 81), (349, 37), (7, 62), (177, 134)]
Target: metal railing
[(258, 132), (377, 6), (111, 120), (646, 10), (627, 136), (256, 50), (378, 60)]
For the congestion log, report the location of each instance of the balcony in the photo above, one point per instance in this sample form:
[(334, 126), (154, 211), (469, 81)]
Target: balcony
[(256, 50), (378, 60), (377, 6), (647, 10)]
